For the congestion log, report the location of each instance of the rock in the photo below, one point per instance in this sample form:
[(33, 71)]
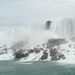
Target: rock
[(31, 51), (41, 49), (26, 54), (61, 56), (5, 49), (69, 45), (55, 42), (20, 55), (45, 53), (67, 50), (36, 50), (47, 25), (54, 58), (44, 56), (53, 52), (62, 49)]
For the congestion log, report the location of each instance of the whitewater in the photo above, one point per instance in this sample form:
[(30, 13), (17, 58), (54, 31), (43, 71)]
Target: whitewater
[(38, 35)]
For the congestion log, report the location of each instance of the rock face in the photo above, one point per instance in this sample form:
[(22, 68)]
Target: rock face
[(44, 56), (53, 52), (55, 42), (21, 55), (31, 51), (55, 55), (48, 23)]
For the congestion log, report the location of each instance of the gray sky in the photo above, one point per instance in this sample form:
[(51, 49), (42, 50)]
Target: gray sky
[(32, 12)]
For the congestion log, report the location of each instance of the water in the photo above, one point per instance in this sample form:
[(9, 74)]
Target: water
[(36, 68)]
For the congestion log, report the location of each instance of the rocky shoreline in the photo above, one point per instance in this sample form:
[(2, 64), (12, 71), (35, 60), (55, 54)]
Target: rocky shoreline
[(51, 50)]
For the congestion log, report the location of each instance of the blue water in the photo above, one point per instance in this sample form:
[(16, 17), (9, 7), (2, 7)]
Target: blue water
[(36, 68)]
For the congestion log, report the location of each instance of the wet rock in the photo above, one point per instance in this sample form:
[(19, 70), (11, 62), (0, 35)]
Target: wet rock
[(61, 56), (41, 49), (36, 50), (19, 55), (31, 51), (55, 42), (53, 52), (47, 25), (44, 56), (62, 49), (69, 45), (67, 50), (54, 58), (26, 54)]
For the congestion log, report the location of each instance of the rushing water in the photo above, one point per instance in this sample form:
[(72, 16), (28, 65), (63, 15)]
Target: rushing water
[(36, 68)]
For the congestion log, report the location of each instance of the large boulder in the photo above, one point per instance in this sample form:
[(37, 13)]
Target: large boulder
[(44, 56), (53, 52), (21, 55), (54, 42), (36, 50), (61, 56), (54, 58), (31, 51)]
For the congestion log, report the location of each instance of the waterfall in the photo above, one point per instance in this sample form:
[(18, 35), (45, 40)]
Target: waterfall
[(64, 28)]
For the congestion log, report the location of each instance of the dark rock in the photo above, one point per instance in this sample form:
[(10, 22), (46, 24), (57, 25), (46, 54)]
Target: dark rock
[(45, 53), (41, 49), (55, 42), (36, 50), (54, 58), (5, 49), (31, 51), (47, 25), (69, 45), (67, 50), (19, 55), (44, 56), (26, 54), (61, 56), (53, 52), (62, 49)]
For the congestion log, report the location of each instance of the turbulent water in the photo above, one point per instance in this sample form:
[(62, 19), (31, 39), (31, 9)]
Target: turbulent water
[(37, 35), (36, 68)]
